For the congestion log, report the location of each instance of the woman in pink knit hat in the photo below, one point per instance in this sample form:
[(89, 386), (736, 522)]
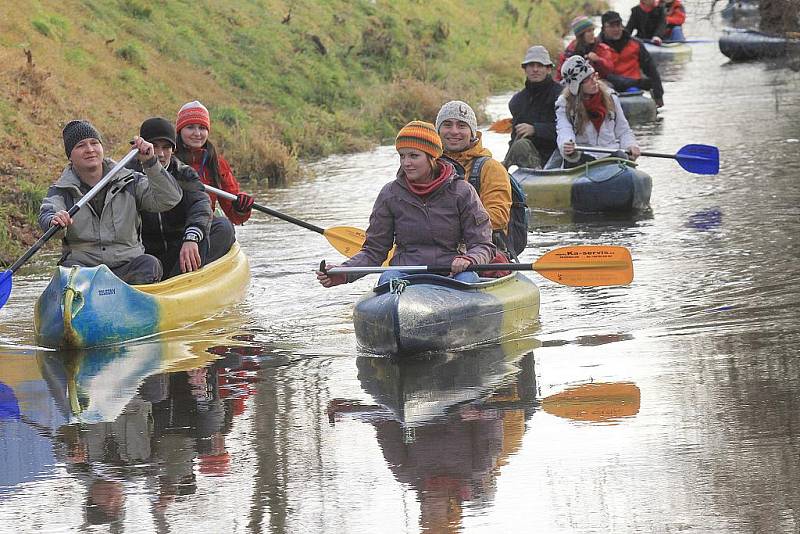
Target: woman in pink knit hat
[(194, 148)]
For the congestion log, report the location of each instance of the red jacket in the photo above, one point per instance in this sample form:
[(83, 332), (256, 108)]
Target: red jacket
[(676, 14), (603, 65), (626, 61), (227, 183)]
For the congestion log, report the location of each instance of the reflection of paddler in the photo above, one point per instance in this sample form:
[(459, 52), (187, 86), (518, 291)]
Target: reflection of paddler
[(452, 421), (595, 402)]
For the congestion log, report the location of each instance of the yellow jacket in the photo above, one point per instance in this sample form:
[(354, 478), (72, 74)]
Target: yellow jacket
[(495, 190)]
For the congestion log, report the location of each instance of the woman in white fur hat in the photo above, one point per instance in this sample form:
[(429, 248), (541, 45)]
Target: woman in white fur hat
[(588, 113)]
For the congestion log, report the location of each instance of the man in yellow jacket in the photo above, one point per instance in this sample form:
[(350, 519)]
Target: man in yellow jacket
[(458, 128)]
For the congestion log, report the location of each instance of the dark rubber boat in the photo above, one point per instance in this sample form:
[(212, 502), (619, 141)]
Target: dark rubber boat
[(744, 45), (603, 185), (429, 313)]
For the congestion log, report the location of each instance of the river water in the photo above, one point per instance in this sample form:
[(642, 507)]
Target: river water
[(268, 419)]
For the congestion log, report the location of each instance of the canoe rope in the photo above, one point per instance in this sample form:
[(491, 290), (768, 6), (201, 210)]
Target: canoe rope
[(397, 285), (71, 295)]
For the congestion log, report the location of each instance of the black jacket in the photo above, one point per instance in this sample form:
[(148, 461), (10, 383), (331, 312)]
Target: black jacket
[(647, 25), (192, 214), (536, 105)]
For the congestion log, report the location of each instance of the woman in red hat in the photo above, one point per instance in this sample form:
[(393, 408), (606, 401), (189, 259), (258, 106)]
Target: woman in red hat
[(194, 148)]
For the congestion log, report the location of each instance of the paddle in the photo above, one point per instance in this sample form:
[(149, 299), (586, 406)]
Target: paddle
[(346, 239), (502, 126), (586, 266), (595, 402), (5, 278), (687, 41), (698, 159)]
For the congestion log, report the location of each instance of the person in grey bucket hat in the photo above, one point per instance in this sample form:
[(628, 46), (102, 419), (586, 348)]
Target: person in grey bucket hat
[(533, 118), (537, 54), (106, 230)]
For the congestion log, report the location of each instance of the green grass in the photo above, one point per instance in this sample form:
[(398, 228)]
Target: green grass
[(283, 80)]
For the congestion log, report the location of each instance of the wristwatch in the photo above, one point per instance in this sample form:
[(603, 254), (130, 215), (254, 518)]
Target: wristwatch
[(191, 236)]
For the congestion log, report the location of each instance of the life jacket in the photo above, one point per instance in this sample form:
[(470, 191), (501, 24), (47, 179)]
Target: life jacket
[(626, 61)]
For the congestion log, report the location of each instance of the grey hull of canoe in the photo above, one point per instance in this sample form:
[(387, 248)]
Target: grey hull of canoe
[(638, 107), (425, 317), (745, 45)]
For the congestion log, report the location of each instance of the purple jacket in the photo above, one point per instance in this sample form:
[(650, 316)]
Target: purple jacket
[(427, 231)]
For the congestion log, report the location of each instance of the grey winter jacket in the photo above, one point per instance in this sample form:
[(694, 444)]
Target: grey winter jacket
[(113, 238), (429, 230)]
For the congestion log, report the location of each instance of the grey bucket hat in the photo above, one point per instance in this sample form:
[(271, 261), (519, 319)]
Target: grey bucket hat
[(537, 54)]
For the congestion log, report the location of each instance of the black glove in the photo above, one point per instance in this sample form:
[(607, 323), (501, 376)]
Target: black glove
[(243, 203)]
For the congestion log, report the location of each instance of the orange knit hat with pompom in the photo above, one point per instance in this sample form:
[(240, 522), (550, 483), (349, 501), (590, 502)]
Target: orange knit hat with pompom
[(421, 136)]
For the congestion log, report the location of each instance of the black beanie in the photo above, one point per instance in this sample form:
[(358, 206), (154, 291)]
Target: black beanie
[(76, 131), (158, 128), (610, 16)]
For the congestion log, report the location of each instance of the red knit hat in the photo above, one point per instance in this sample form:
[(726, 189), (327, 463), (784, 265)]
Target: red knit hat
[(421, 136), (193, 113)]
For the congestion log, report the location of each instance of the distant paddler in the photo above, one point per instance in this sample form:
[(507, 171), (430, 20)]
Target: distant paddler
[(589, 113), (533, 119)]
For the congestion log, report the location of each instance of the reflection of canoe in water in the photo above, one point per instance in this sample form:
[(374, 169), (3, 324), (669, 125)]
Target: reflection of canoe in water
[(89, 307), (429, 313), (595, 402), (419, 390), (604, 185), (669, 52), (743, 45), (95, 385), (638, 107)]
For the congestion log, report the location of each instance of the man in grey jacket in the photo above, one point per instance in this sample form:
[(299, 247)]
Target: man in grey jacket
[(107, 230)]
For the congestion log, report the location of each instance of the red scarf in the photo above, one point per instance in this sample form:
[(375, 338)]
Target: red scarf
[(596, 109), (426, 189)]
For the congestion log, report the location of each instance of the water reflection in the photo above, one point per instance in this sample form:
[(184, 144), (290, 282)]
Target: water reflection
[(153, 414), (447, 423)]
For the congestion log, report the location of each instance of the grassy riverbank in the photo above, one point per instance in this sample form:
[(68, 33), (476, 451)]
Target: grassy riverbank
[(283, 80)]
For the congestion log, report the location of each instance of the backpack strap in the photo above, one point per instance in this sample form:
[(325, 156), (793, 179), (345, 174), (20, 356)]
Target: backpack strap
[(475, 173)]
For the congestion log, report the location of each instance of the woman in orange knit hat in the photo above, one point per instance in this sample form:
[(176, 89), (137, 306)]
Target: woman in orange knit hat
[(193, 126), (427, 212)]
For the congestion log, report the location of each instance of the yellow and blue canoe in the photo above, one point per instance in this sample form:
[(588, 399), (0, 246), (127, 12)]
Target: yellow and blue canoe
[(603, 185), (425, 313), (85, 307)]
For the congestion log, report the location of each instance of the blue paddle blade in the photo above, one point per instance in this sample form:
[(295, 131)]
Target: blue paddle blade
[(5, 287), (699, 159)]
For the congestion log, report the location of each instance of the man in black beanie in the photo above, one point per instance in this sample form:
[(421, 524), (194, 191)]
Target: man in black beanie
[(178, 237), (106, 230)]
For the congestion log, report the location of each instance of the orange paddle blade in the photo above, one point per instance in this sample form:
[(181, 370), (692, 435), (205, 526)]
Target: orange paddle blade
[(502, 126), (348, 240), (587, 265), (601, 402)]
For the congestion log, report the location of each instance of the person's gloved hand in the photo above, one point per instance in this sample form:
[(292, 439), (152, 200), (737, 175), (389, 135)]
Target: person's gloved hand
[(243, 203), (498, 258)]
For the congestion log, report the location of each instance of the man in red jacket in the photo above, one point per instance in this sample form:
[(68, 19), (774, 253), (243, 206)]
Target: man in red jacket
[(633, 66)]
